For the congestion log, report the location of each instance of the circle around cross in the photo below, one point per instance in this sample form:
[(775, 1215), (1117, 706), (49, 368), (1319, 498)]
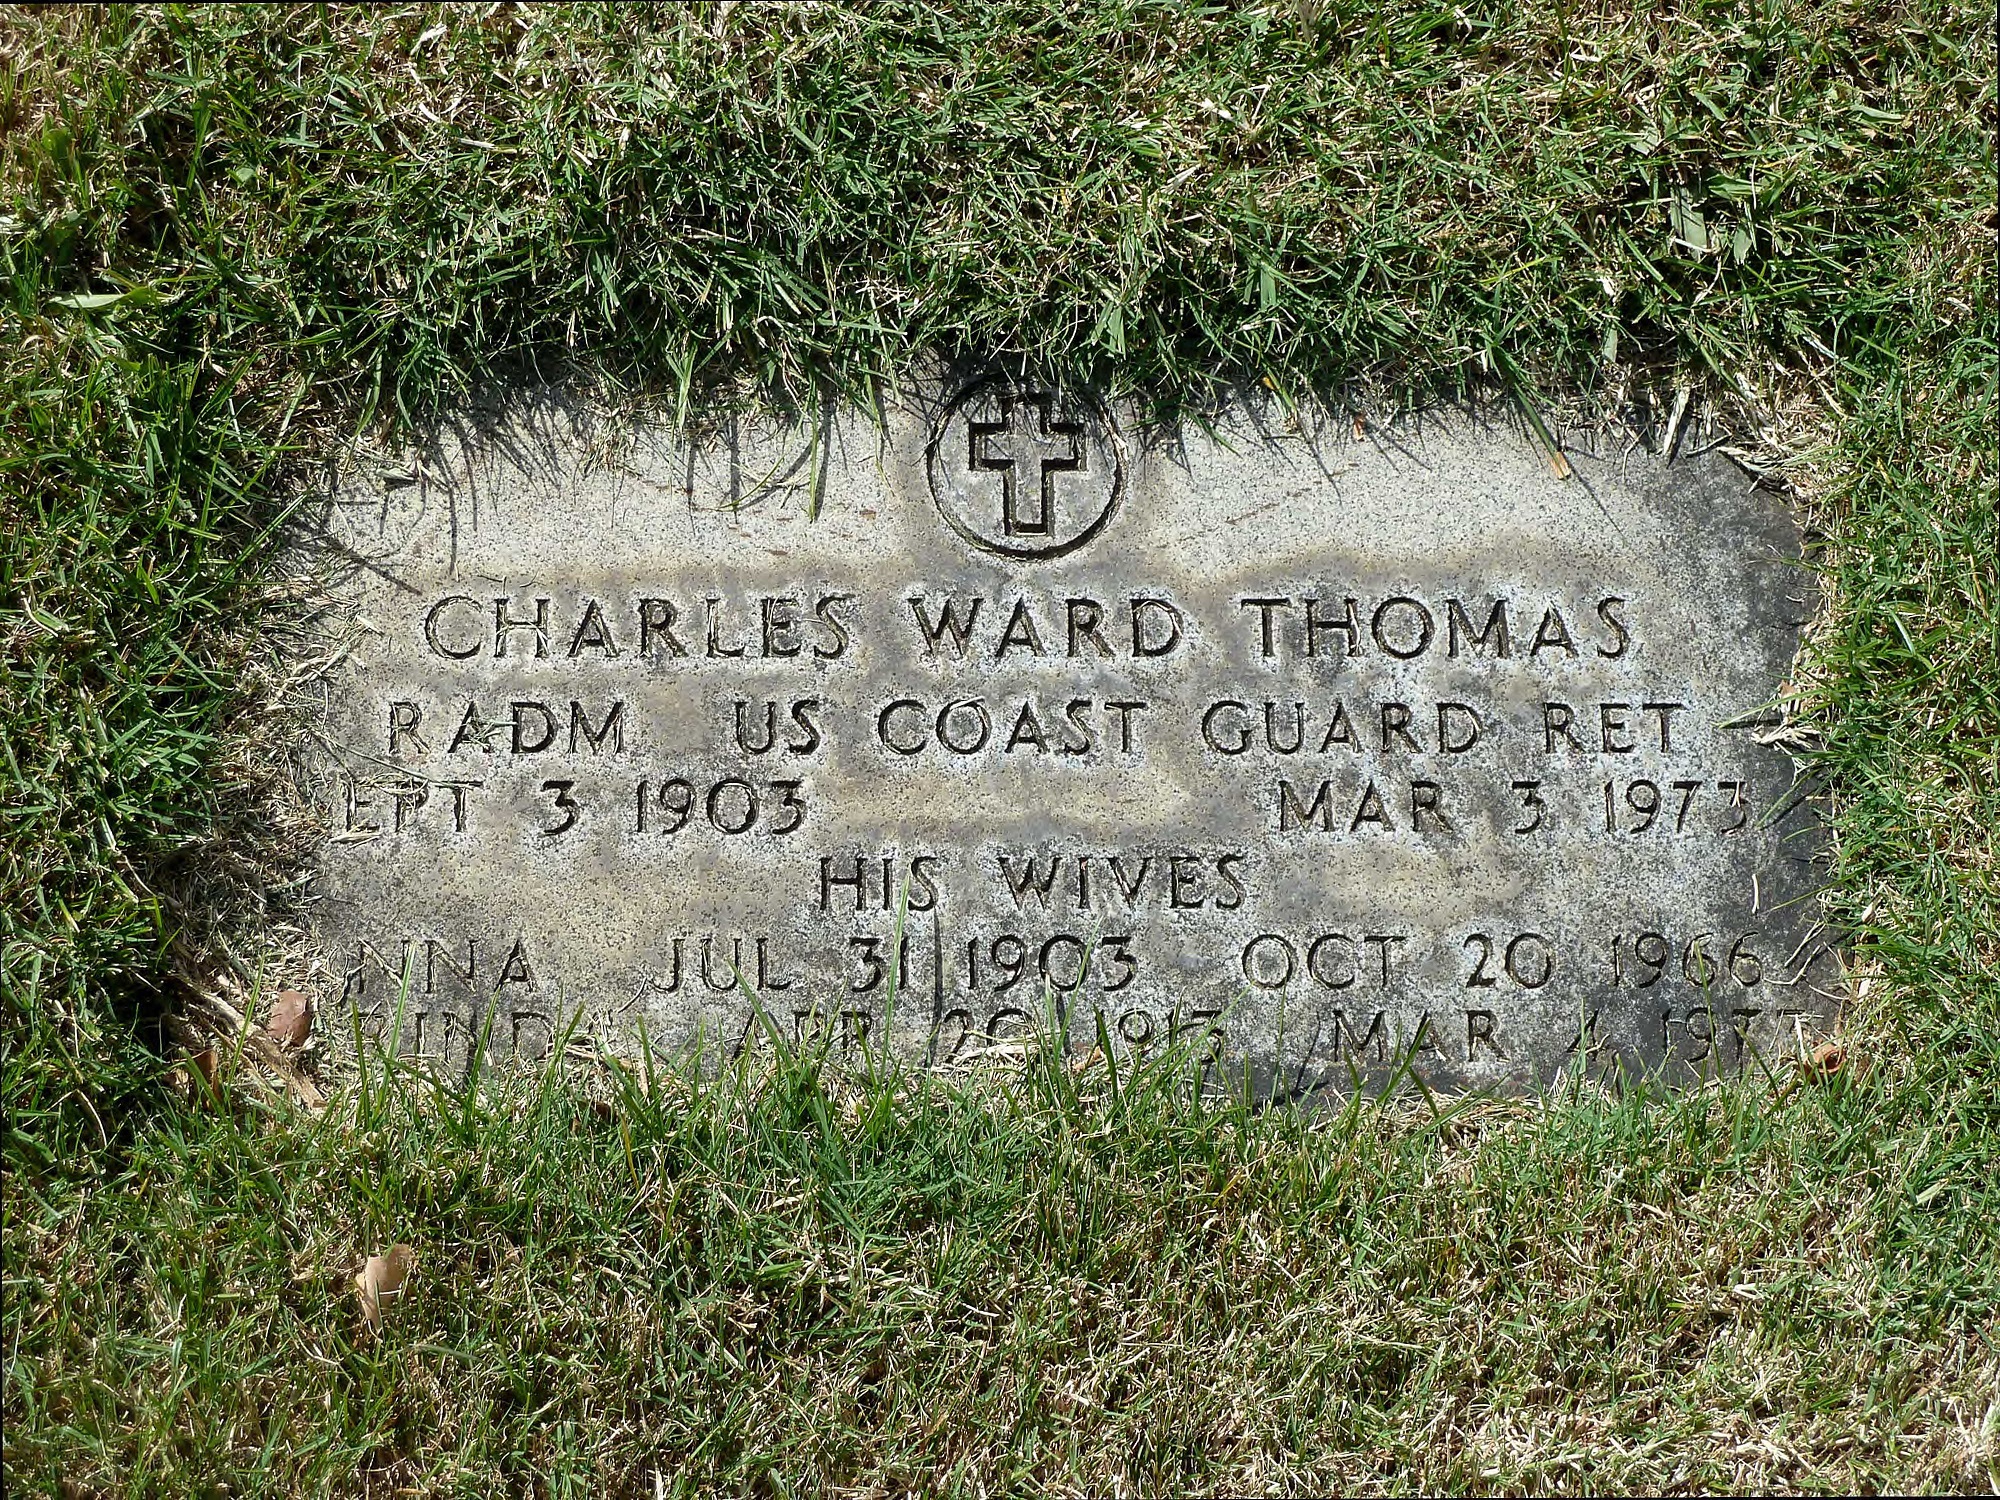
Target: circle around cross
[(1025, 471)]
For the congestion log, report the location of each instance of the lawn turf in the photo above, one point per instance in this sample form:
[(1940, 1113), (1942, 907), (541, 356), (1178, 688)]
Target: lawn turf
[(232, 238)]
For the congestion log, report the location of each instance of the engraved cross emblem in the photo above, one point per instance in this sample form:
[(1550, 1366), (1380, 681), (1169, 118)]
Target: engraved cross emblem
[(1057, 458), (1027, 448)]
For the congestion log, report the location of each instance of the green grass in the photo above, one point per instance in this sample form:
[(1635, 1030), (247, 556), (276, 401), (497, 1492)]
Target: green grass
[(232, 237)]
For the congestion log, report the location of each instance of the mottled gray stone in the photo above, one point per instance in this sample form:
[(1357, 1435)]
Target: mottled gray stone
[(635, 739)]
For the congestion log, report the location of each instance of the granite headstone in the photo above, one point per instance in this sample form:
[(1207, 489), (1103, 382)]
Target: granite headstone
[(1312, 752)]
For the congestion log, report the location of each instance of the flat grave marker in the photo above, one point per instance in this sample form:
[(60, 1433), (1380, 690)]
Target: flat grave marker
[(1314, 754)]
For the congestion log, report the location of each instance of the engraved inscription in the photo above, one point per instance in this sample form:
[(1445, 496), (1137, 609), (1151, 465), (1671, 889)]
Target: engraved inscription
[(1325, 765)]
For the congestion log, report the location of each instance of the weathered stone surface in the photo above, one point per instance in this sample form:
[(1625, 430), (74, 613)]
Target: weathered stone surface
[(1303, 749)]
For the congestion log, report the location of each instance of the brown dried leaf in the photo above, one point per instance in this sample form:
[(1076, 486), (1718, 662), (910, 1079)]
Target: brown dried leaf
[(291, 1019), (204, 1073), (381, 1278)]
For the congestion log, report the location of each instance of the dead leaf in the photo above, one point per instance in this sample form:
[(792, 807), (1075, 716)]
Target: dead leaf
[(291, 1019), (381, 1278), (204, 1075)]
